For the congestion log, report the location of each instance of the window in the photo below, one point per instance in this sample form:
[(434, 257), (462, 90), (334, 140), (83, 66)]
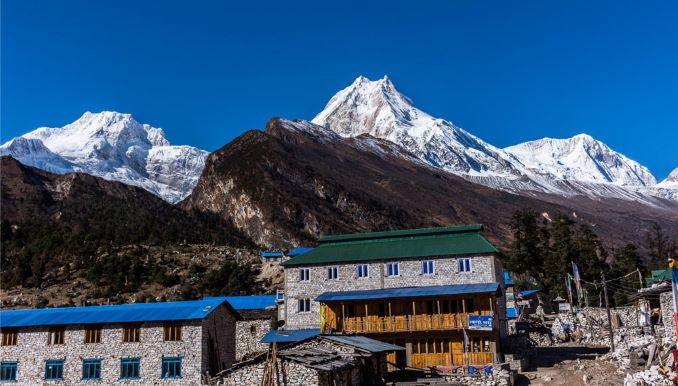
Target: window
[(91, 369), (428, 267), (332, 273), (363, 270), (55, 336), (304, 305), (171, 367), (9, 337), (253, 330), (172, 331), (93, 335), (393, 269), (129, 368), (304, 274), (131, 333), (54, 369), (8, 371), (464, 265)]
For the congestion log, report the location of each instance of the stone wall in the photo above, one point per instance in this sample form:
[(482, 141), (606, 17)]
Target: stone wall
[(248, 333), (290, 374), (32, 351), (484, 269), (668, 319)]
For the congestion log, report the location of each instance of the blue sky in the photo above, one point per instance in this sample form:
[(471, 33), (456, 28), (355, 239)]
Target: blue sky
[(206, 71)]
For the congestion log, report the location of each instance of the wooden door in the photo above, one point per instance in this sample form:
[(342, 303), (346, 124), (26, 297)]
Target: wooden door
[(457, 350)]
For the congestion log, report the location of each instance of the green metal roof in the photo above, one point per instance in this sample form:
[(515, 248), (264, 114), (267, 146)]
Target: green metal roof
[(457, 240)]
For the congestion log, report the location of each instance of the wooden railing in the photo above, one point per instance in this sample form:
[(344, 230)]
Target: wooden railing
[(403, 323)]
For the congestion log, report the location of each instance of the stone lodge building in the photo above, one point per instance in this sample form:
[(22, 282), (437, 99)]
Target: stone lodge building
[(170, 343), (438, 292)]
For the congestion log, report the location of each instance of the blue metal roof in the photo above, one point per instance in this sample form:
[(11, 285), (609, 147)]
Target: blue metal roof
[(407, 292), (528, 292), (298, 251), (289, 336), (254, 302), (271, 254), (122, 313), (507, 279), (364, 343)]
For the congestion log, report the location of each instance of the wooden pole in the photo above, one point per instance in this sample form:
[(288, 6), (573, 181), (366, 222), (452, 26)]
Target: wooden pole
[(367, 328), (607, 307), (414, 315), (640, 279), (343, 317)]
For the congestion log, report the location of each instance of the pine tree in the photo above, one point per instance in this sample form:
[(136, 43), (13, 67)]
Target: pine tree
[(660, 247)]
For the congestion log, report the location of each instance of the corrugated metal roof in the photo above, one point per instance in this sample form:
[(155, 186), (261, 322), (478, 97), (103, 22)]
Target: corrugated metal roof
[(463, 240), (289, 336), (271, 254), (122, 313), (254, 302), (298, 251), (408, 292), (364, 343), (528, 292)]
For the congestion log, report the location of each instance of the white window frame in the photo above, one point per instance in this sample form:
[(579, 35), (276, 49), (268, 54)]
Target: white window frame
[(393, 272), (304, 274), (359, 271), (464, 265), (426, 264), (333, 273), (303, 305)]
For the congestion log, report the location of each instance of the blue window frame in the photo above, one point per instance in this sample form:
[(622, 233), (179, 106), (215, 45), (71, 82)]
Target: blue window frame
[(465, 265), (428, 267), (393, 269), (129, 368), (91, 369), (54, 369), (8, 371), (363, 270), (171, 367)]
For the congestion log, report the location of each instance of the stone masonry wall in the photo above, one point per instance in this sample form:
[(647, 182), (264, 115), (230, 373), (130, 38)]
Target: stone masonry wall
[(291, 374), (484, 269), (248, 333), (666, 304), (219, 339), (32, 351)]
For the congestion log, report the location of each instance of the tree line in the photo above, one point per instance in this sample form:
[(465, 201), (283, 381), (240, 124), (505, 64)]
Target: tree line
[(543, 249)]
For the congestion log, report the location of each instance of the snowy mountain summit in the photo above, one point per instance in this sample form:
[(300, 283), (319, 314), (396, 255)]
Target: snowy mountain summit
[(580, 165), (378, 109), (581, 158), (116, 147)]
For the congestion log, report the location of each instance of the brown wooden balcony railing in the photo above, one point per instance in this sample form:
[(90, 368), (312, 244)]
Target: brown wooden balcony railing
[(403, 323)]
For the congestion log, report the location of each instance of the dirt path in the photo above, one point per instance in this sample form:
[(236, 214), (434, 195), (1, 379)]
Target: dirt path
[(570, 365)]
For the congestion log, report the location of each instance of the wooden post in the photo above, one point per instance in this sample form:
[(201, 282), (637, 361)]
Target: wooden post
[(414, 315), (367, 324), (440, 318), (390, 317), (343, 318), (463, 312), (607, 307)]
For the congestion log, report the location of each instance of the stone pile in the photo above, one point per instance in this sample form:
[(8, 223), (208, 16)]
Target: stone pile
[(646, 359)]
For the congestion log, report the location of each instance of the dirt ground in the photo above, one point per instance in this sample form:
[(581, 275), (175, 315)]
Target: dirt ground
[(570, 365)]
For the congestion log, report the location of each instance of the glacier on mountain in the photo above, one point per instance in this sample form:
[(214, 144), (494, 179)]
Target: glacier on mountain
[(116, 147)]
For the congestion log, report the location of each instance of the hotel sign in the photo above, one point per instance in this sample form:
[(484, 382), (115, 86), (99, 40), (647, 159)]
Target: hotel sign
[(480, 322)]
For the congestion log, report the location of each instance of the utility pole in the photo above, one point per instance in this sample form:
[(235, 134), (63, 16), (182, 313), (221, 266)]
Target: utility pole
[(607, 307)]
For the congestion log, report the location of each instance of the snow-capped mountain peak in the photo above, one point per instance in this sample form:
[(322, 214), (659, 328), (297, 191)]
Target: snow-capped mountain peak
[(114, 146), (671, 182), (377, 108), (581, 158)]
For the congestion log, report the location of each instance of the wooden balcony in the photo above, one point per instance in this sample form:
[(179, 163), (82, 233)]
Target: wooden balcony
[(404, 323)]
